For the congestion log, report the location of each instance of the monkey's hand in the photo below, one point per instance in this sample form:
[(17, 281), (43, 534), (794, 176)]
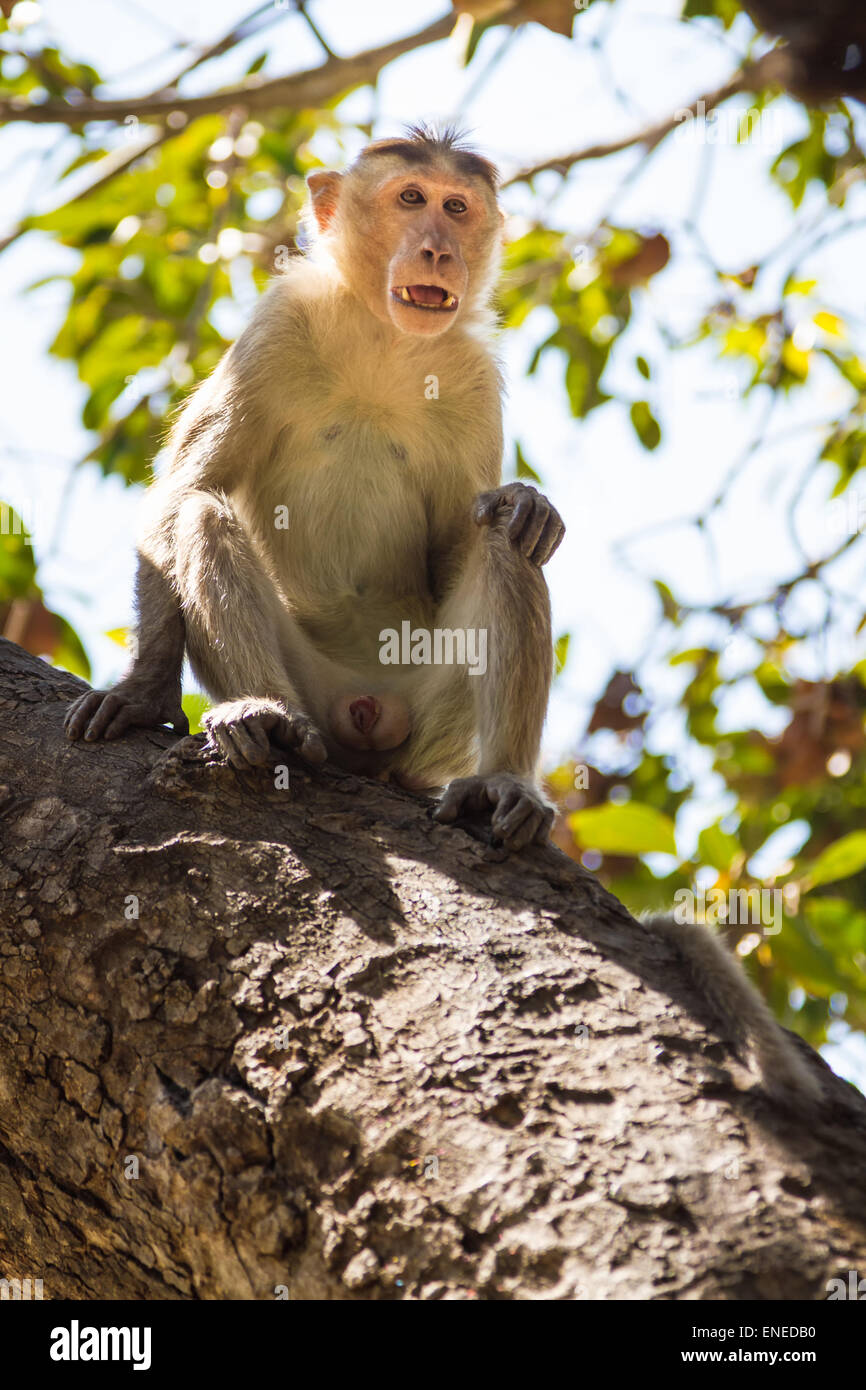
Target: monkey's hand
[(519, 813), (137, 701), (243, 731), (530, 522)]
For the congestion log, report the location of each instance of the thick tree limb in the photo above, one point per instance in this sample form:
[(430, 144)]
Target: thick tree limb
[(348, 1055)]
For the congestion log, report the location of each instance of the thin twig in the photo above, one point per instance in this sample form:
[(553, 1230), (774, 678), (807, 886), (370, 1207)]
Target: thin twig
[(768, 70)]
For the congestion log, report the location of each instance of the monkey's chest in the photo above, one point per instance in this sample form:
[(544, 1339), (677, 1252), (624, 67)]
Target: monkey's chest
[(350, 522)]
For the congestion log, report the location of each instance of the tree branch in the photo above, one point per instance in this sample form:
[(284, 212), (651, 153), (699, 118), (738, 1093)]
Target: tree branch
[(310, 88), (306, 1039), (770, 69), (261, 18)]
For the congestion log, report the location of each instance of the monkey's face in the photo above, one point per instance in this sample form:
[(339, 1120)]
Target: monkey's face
[(417, 243), (434, 227)]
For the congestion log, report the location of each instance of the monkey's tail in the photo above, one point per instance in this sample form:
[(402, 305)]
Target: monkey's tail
[(770, 1052)]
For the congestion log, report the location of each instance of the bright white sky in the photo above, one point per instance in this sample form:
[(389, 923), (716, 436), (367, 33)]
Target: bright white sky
[(546, 95)]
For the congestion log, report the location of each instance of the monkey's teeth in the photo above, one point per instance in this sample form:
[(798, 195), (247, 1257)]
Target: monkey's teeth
[(401, 292)]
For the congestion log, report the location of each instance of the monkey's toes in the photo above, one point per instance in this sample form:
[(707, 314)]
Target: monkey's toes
[(312, 748), (80, 714)]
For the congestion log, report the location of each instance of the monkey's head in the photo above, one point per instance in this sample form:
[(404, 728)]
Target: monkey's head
[(414, 228)]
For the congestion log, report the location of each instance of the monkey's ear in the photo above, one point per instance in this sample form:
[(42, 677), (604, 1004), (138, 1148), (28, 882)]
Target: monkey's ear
[(324, 186)]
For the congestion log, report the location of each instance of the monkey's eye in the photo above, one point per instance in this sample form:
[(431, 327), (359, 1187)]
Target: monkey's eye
[(454, 205), (413, 196)]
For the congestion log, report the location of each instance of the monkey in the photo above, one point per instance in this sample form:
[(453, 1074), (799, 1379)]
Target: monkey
[(338, 476), (769, 1050)]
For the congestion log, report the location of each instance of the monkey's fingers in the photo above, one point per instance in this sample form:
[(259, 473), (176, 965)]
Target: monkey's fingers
[(484, 509), (550, 539), (313, 748), (529, 831), (126, 715), (301, 735), (142, 714), (79, 714), (462, 797), (534, 528), (510, 812), (112, 706), (529, 822), (534, 829), (222, 741), (542, 834), (524, 508), (249, 739)]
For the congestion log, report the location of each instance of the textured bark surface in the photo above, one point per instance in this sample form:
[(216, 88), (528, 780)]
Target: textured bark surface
[(354, 1057)]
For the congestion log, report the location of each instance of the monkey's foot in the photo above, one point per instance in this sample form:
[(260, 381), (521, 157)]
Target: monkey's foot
[(243, 731), (109, 713), (519, 813), (532, 525)]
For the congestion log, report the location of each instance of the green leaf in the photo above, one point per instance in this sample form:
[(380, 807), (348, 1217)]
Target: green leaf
[(643, 367), (717, 848), (560, 651), (631, 828), (670, 607), (69, 652), (646, 426), (195, 707), (793, 286), (839, 860), (524, 469), (725, 10), (805, 161), (806, 961)]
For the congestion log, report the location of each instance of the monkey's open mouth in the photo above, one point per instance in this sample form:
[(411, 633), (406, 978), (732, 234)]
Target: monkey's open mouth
[(426, 297)]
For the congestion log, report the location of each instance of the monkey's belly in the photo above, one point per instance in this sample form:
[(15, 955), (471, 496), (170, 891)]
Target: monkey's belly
[(354, 632)]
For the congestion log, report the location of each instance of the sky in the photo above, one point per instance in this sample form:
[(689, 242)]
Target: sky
[(627, 511)]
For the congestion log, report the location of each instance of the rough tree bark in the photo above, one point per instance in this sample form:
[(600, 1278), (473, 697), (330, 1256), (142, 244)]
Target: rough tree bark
[(354, 1057)]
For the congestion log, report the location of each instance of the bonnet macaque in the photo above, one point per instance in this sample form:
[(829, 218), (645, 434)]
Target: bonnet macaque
[(331, 543), (330, 540)]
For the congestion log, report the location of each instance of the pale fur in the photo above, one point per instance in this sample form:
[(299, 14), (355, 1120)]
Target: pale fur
[(321, 407)]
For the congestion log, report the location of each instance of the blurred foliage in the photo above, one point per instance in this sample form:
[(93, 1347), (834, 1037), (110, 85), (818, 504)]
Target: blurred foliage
[(24, 617), (171, 250)]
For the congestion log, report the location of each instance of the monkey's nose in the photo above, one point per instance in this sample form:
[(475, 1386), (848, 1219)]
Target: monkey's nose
[(365, 713), (436, 257)]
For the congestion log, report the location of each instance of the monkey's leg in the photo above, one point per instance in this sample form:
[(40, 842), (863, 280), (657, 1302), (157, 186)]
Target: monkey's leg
[(503, 597), (241, 639), (148, 696)]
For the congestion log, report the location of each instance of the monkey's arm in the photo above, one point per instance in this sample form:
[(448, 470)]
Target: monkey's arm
[(764, 1045), (503, 591), (149, 695), (221, 425)]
